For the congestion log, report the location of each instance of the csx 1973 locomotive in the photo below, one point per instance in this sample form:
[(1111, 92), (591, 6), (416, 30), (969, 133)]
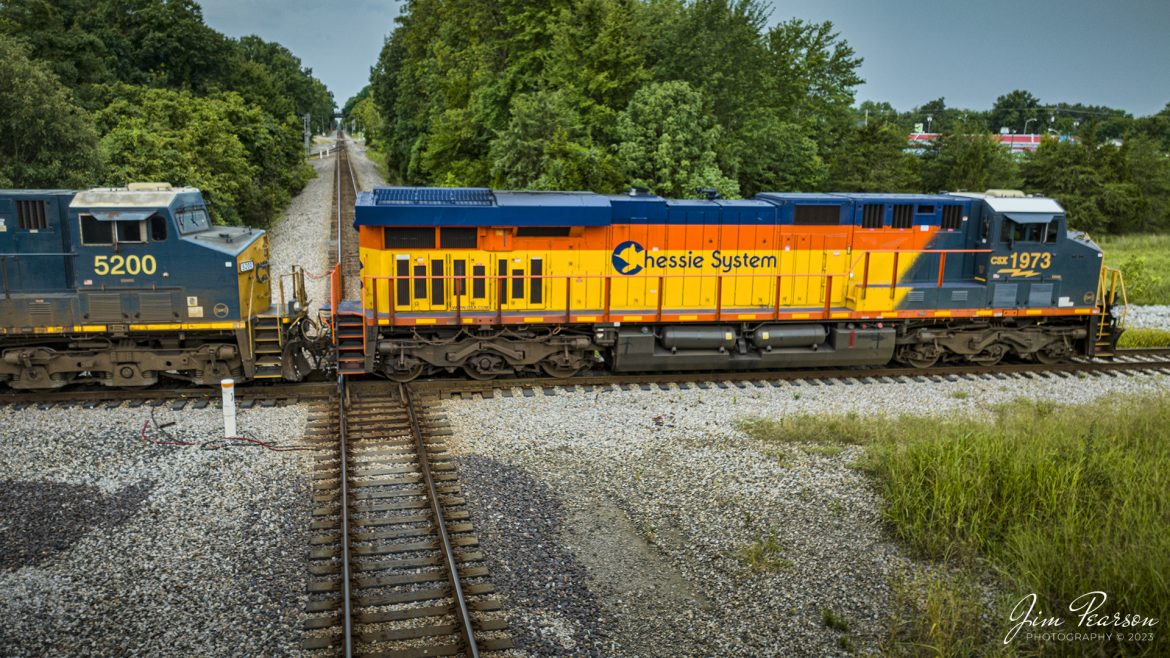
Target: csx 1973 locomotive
[(124, 286), (495, 283)]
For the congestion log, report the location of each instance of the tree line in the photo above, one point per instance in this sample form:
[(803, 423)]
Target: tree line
[(107, 92), (682, 95)]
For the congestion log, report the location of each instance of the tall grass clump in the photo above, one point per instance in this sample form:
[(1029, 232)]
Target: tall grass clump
[(1144, 338), (1058, 500)]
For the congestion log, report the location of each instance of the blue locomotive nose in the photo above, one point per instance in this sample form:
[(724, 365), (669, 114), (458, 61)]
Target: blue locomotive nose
[(185, 299)]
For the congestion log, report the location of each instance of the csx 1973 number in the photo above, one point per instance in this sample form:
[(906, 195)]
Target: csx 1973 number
[(1025, 260), (123, 265)]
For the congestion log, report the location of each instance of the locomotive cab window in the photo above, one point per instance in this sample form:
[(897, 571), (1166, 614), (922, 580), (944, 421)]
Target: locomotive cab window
[(158, 228), (96, 233), (192, 220), (1053, 232), (130, 232)]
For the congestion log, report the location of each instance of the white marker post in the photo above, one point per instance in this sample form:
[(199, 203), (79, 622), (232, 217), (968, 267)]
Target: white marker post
[(228, 387)]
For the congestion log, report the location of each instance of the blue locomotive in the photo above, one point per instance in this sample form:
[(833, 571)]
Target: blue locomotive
[(125, 286)]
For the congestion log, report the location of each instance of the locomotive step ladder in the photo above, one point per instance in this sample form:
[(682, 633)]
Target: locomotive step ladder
[(349, 339), (1109, 287), (268, 347)]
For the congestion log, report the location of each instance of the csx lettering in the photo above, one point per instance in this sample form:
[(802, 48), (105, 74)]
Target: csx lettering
[(999, 260), (123, 265)]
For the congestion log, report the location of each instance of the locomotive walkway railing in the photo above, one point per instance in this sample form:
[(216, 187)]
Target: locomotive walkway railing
[(493, 300)]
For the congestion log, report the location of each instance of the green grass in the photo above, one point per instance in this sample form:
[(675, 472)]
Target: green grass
[(1144, 338), (765, 555), (937, 615), (1145, 264), (806, 428), (1052, 499), (834, 621), (823, 450)]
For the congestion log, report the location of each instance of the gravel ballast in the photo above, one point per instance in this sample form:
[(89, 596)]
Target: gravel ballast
[(1148, 317), (302, 237), (363, 167), (658, 499), (177, 550)]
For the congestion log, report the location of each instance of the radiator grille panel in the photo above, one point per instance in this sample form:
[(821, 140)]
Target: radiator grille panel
[(105, 307), (40, 314), (1005, 295), (155, 307), (1040, 294)]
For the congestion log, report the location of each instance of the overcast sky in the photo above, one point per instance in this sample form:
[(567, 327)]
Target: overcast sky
[(1100, 52)]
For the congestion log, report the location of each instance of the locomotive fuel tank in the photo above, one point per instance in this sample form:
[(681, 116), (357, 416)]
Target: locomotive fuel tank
[(772, 336)]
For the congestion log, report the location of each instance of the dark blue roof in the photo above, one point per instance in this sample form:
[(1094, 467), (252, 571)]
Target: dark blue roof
[(437, 206), (422, 206)]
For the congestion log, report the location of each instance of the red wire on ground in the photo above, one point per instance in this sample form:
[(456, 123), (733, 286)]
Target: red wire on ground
[(265, 444)]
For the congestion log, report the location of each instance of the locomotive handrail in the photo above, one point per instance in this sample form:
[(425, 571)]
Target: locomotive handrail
[(942, 262), (495, 284)]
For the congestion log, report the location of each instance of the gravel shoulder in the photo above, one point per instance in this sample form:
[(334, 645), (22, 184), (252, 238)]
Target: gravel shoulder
[(1148, 317), (651, 501), (365, 169), (114, 546), (302, 237)]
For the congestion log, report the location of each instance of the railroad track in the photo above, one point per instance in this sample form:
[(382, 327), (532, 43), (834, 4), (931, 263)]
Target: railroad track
[(347, 243), (177, 398), (1130, 361), (394, 565)]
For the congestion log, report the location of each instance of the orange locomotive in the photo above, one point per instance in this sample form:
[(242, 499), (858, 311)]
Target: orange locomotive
[(496, 283)]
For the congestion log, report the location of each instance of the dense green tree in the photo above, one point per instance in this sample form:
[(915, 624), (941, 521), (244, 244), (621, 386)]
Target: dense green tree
[(59, 35), (1012, 111), (547, 147), (1157, 128), (812, 73), (968, 161), (294, 84), (668, 142), (1065, 171), (596, 55), (874, 159), (46, 140)]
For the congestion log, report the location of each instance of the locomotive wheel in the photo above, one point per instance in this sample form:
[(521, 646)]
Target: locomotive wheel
[(923, 362), (477, 374), (557, 370), (990, 356), (403, 376), (1047, 358), (923, 357), (485, 366)]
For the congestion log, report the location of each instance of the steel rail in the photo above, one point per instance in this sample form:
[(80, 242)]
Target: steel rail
[(450, 386), (346, 603), (337, 166), (471, 649)]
